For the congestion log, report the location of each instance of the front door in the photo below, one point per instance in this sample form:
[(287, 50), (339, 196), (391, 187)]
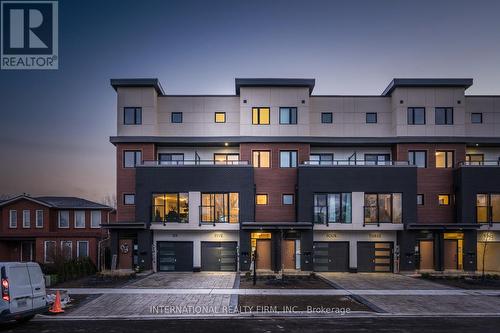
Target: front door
[(288, 254), (451, 254), (426, 254), (27, 251), (263, 254)]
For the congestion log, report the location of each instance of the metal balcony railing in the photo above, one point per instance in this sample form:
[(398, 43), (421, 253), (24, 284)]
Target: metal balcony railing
[(484, 215), (355, 163), (480, 163), (157, 163), (322, 216), (372, 216), (208, 215)]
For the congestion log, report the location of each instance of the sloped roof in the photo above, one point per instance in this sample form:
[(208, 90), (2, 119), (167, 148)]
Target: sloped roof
[(59, 202)]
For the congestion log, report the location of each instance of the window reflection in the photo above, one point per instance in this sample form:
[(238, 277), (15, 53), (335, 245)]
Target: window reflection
[(171, 207)]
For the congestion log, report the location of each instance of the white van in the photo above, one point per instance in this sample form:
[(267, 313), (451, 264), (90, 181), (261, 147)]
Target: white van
[(22, 291)]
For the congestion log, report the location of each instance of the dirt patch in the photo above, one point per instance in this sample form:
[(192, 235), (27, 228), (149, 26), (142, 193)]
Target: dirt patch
[(288, 282), (466, 282), (276, 303), (95, 281)]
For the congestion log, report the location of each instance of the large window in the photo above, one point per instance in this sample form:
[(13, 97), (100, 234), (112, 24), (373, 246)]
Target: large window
[(288, 159), (488, 208), (171, 207), (474, 159), (418, 158), (39, 218), (332, 208), (377, 159), (82, 249), (67, 250), (79, 219), (288, 116), (49, 251), (444, 116), (95, 219), (444, 159), (171, 159), (220, 208), (383, 208), (261, 116), (63, 219), (13, 218), (232, 158), (416, 116), (26, 218), (321, 159), (261, 158), (131, 158), (132, 116)]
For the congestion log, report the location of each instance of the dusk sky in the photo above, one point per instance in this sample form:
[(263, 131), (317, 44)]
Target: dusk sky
[(55, 124)]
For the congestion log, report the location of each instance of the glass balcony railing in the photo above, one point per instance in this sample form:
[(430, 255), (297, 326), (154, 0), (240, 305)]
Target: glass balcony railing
[(157, 163), (375, 215), (354, 163), (479, 163)]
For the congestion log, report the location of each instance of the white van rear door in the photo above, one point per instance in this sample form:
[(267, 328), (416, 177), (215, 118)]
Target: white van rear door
[(38, 285), (19, 288)]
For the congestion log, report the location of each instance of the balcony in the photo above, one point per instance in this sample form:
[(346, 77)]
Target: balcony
[(374, 216), (211, 215), (491, 163), (215, 163), (354, 163), (322, 216)]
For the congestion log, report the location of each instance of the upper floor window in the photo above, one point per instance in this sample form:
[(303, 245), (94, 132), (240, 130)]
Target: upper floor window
[(444, 116), (332, 208), (488, 208), (420, 199), (220, 117), (171, 207), (79, 219), (63, 219), (474, 159), (129, 199), (377, 159), (132, 116), (261, 158), (176, 117), (383, 208), (444, 199), (171, 159), (288, 159), (371, 117), (231, 158), (326, 117), (261, 199), (220, 208), (444, 159), (131, 158), (288, 115), (39, 218), (476, 118), (287, 199), (13, 219), (26, 218), (261, 116), (321, 159), (416, 116), (95, 219), (418, 158)]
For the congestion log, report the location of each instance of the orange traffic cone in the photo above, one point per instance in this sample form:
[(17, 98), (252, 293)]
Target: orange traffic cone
[(57, 306)]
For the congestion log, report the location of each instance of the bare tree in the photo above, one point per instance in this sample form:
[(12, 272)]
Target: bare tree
[(109, 200), (487, 236)]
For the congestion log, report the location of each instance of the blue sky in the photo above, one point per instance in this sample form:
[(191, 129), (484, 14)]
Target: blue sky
[(55, 125)]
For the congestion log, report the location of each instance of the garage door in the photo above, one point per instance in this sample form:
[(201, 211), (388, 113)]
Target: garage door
[(218, 256), (491, 256), (374, 256), (331, 256), (175, 256)]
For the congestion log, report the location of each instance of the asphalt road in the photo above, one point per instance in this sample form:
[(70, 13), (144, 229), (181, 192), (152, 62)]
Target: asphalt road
[(480, 324)]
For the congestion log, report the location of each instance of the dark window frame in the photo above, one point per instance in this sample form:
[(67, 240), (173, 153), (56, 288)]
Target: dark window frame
[(421, 195), (215, 117), (368, 114), (329, 114), (446, 159), (480, 114), (290, 153), (135, 158), (227, 204), (387, 158), (176, 114), (137, 110), (449, 199), (411, 115), (165, 162), (165, 220), (327, 215), (320, 160), (283, 199), (259, 164), (417, 151), (125, 200), (267, 199), (468, 159), (391, 210), (489, 208), (448, 117), (259, 108), (291, 110), (227, 161)]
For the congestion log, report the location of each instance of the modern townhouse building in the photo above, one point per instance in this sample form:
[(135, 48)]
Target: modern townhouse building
[(276, 176), (42, 229)]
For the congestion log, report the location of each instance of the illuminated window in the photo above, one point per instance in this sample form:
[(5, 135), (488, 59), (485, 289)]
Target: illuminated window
[(444, 199), (221, 158), (220, 208), (261, 116), (444, 159), (261, 199), (261, 159), (220, 117), (171, 207)]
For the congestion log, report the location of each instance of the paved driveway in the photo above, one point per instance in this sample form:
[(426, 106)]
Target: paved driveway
[(377, 281), (178, 280)]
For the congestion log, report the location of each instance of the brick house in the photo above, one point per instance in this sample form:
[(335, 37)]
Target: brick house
[(41, 228)]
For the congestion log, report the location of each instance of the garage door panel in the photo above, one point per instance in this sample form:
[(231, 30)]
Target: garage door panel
[(331, 256), (175, 256), (219, 256), (374, 256)]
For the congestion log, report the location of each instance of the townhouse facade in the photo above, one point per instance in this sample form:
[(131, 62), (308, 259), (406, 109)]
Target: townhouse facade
[(279, 179), (45, 229)]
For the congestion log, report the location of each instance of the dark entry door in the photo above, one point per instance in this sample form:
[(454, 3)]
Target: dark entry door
[(374, 257), (175, 256), (450, 254), (331, 256), (218, 256)]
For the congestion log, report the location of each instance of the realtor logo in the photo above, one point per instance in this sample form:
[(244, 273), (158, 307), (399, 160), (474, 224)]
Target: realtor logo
[(29, 35)]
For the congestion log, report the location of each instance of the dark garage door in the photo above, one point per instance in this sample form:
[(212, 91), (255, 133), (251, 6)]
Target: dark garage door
[(374, 256), (175, 256), (218, 256), (331, 256)]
